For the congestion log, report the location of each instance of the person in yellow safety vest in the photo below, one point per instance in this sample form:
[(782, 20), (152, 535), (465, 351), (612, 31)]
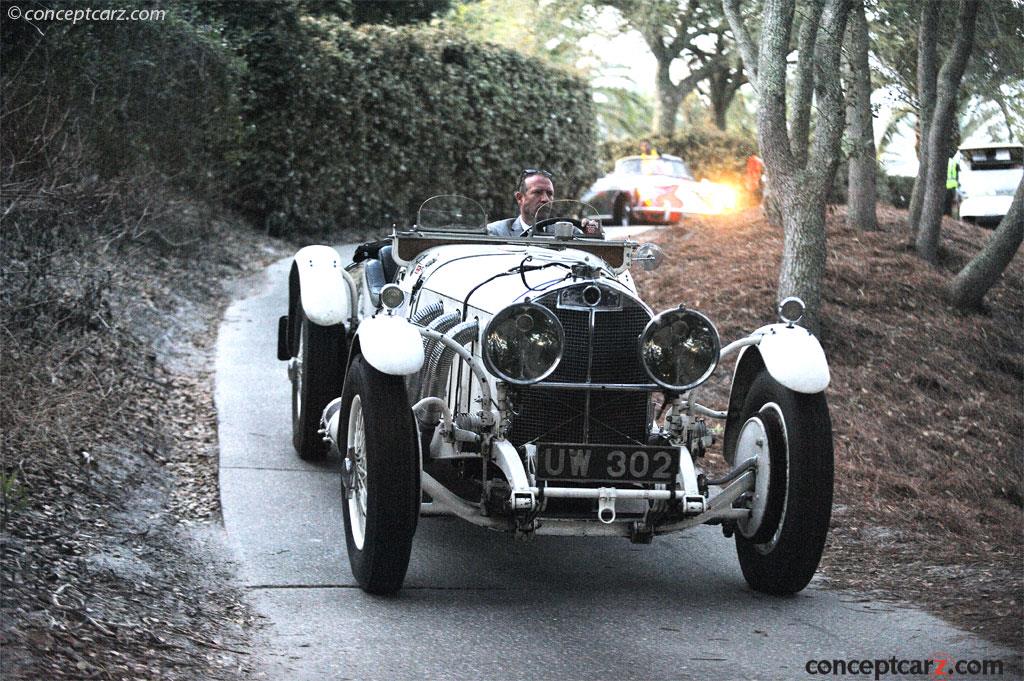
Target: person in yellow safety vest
[(952, 172), (649, 156), (648, 151)]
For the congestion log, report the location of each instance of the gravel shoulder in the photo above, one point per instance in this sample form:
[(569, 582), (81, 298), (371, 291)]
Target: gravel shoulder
[(113, 564)]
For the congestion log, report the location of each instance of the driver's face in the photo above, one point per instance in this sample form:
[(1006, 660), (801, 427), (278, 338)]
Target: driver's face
[(537, 191)]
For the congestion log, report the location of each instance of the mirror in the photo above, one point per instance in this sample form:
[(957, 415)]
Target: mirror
[(650, 256)]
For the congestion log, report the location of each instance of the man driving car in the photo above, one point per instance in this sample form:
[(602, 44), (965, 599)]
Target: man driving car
[(534, 190)]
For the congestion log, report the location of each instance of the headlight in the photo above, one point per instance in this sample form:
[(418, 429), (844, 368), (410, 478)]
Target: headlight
[(679, 349), (523, 343), (392, 296), (720, 198), (791, 310)]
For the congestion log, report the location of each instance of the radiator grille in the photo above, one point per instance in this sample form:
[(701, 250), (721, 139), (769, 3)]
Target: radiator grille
[(547, 415)]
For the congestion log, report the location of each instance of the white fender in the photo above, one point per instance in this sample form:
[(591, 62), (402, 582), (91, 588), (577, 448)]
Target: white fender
[(391, 344), (323, 285), (793, 357)]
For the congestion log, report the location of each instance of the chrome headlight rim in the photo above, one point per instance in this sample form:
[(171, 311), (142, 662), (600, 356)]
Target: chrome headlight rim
[(791, 310), (655, 323), (501, 316), (391, 296)]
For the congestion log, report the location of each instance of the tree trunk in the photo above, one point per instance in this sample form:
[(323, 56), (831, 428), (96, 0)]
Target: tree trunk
[(930, 224), (803, 249), (722, 88), (801, 187), (972, 283), (801, 172), (860, 212), (720, 111), (927, 73), (720, 94), (667, 101)]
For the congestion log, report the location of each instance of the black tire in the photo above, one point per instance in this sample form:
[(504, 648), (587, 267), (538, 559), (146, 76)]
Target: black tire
[(317, 378), (622, 214), (381, 482), (782, 556)]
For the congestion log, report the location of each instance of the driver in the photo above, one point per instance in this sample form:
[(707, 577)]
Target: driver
[(535, 189)]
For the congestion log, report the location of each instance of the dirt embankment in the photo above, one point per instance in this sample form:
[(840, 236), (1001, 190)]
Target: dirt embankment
[(926, 405), (111, 562)]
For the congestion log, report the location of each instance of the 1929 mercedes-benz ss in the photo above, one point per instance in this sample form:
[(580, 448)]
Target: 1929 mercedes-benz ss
[(514, 382)]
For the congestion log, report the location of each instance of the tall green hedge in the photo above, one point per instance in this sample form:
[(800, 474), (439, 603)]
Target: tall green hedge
[(712, 153), (354, 128), (109, 99), (307, 124)]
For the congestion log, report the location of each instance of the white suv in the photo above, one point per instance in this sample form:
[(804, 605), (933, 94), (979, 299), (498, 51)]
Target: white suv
[(989, 175)]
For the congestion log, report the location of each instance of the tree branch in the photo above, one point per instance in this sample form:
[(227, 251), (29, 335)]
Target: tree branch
[(968, 288), (950, 75), (803, 87), (927, 65), (927, 72), (682, 25), (748, 50), (687, 84), (1001, 103), (829, 90), (771, 76)]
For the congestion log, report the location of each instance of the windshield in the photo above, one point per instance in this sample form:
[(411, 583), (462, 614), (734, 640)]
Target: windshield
[(451, 213), (671, 167), (993, 158)]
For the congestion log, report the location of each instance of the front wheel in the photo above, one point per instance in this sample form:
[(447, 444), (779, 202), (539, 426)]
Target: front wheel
[(316, 372), (380, 478), (780, 547)]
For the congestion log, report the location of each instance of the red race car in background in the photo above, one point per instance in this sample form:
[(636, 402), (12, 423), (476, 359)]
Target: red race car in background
[(656, 189)]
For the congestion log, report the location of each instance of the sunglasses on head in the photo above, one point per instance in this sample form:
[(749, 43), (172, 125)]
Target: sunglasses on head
[(530, 172)]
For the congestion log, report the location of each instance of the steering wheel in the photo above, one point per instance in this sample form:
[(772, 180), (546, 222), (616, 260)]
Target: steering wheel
[(541, 225)]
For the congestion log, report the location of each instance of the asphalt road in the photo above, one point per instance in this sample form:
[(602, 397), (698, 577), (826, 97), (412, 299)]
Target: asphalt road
[(479, 605)]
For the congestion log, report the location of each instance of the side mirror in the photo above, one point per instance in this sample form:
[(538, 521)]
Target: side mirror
[(650, 256)]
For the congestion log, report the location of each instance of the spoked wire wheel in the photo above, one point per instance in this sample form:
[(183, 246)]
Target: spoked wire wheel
[(356, 469), (317, 373), (380, 478)]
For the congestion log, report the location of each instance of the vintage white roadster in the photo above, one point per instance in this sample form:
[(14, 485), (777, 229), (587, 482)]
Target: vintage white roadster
[(514, 383)]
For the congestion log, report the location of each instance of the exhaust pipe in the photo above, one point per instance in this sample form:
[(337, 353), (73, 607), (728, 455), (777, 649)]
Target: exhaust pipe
[(441, 360), (441, 325)]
